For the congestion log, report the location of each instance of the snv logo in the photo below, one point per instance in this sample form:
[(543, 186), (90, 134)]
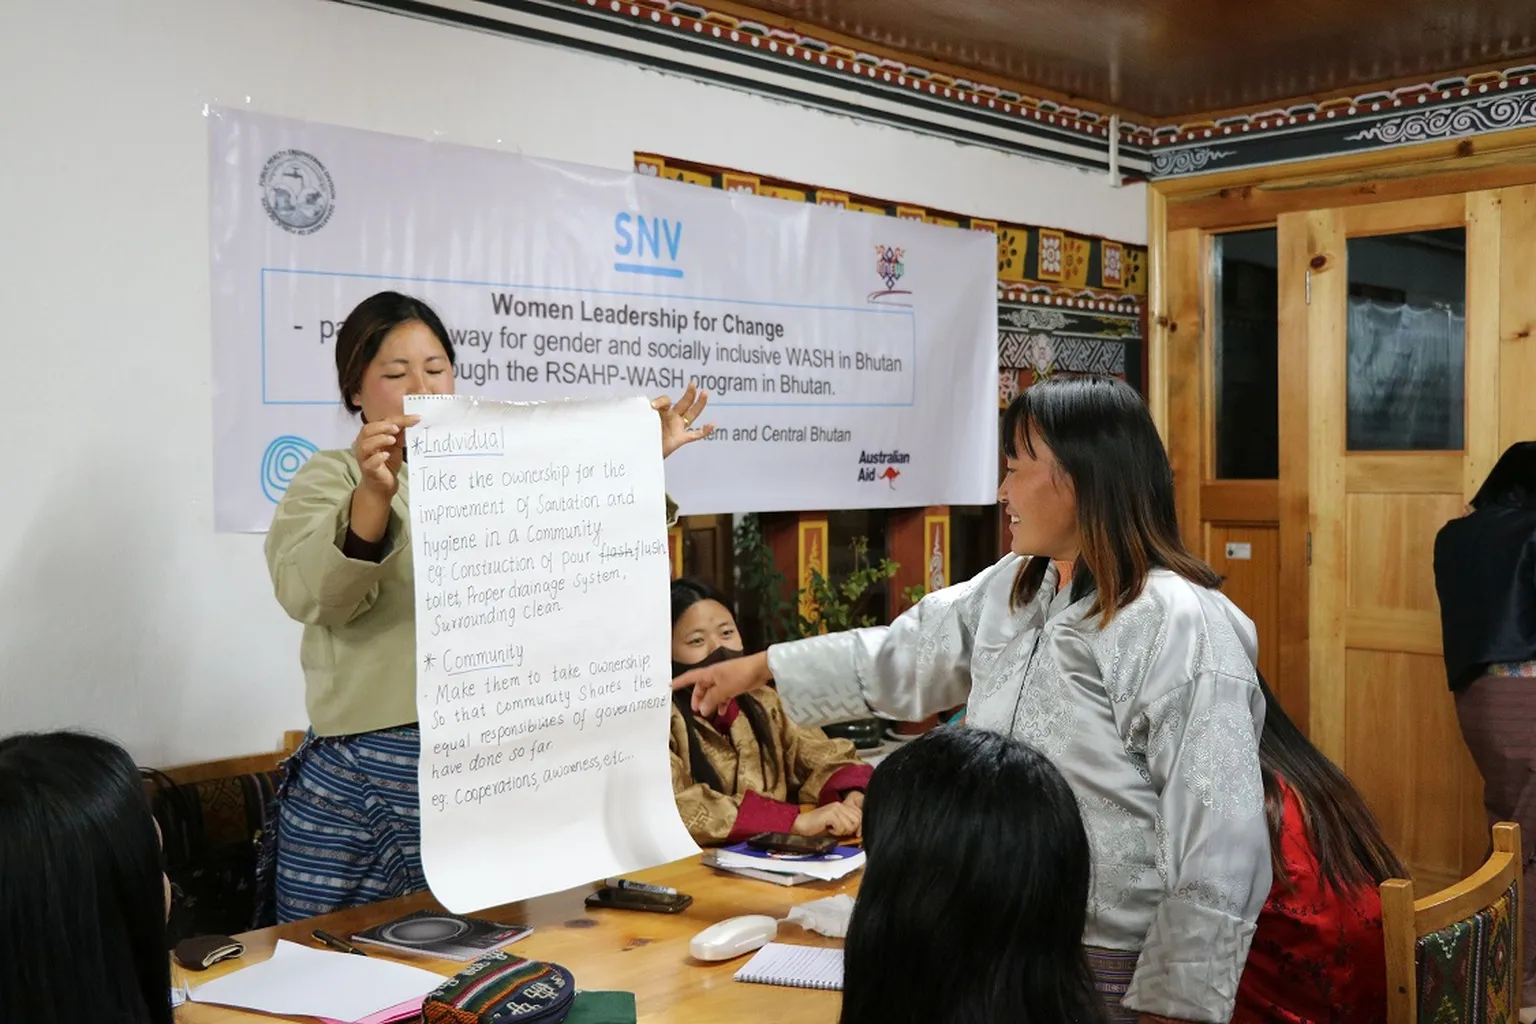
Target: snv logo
[(647, 245)]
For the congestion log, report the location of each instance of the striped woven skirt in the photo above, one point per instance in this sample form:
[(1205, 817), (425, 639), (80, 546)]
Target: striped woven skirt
[(1498, 720), (1112, 971), (348, 823)]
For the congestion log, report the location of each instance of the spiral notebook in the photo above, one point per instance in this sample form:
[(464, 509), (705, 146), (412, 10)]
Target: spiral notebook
[(779, 963)]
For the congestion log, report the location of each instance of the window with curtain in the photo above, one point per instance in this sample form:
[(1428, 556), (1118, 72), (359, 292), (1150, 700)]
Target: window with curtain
[(1406, 376), (1406, 342)]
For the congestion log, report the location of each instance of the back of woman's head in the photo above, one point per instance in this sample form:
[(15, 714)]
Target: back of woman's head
[(1512, 482), (975, 895), (1103, 437), (82, 898), (1344, 835)]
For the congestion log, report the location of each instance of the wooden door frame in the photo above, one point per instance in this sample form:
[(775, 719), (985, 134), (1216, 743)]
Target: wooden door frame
[(1256, 198), (1181, 215), (1294, 627)]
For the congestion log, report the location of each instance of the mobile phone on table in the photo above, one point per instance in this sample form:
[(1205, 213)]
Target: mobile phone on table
[(612, 898), (788, 842)]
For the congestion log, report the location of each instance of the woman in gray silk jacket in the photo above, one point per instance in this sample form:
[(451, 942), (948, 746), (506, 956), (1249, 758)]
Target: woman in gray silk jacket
[(1137, 681)]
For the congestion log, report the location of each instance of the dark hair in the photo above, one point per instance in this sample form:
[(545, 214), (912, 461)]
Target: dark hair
[(1351, 851), (1512, 481), (364, 330), (975, 893), (1103, 437), (82, 906), (687, 592)]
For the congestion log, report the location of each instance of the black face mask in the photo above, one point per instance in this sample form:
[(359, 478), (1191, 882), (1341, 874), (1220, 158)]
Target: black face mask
[(716, 656)]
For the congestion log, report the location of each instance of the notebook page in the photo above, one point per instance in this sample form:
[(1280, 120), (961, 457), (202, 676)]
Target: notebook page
[(824, 869), (779, 963), (302, 982)]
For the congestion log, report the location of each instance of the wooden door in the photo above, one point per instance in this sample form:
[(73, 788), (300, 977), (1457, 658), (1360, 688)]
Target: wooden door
[(1382, 475), (1228, 507), (704, 550)]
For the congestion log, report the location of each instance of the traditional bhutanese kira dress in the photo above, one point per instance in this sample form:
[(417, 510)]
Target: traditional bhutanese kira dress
[(1154, 722), (764, 792)]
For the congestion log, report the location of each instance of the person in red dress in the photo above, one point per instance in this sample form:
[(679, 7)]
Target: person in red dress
[(1317, 955)]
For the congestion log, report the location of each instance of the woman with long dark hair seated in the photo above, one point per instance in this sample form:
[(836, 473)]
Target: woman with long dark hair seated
[(1318, 954), (83, 900), (747, 768), (1137, 681), (1485, 577), (974, 898)]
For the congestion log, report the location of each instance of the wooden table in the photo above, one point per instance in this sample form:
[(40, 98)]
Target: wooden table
[(639, 952)]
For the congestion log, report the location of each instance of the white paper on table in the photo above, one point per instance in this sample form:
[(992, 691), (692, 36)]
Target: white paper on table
[(543, 626), (302, 982), (821, 870)]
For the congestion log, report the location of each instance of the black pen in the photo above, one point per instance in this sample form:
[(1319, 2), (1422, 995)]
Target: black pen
[(335, 943), (624, 883)]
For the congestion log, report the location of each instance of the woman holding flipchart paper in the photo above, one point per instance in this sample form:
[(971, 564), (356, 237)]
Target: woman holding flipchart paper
[(1137, 681), (339, 552)]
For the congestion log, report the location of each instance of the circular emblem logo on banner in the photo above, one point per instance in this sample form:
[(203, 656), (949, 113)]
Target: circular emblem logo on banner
[(297, 192), (281, 461)]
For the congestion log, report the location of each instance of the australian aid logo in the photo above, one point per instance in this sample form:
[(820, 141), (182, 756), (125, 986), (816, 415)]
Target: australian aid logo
[(877, 466)]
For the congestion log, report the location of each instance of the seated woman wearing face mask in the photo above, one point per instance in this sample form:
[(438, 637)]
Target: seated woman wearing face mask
[(747, 768)]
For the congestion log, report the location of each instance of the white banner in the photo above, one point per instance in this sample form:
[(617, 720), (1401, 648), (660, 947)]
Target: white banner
[(851, 359), (543, 678)]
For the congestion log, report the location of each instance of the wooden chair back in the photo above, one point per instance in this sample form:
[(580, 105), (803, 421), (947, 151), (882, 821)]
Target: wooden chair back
[(246, 764), (213, 817), (1476, 918)]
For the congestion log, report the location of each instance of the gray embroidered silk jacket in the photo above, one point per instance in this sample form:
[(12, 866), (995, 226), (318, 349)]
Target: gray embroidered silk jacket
[(1154, 722)]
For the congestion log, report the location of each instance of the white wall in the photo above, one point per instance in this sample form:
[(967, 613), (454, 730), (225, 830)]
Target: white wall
[(120, 609)]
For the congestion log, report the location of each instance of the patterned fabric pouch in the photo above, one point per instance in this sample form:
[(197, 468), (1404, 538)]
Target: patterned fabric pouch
[(500, 988)]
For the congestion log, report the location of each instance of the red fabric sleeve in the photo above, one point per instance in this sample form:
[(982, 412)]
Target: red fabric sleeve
[(844, 780), (760, 814), (725, 717)]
